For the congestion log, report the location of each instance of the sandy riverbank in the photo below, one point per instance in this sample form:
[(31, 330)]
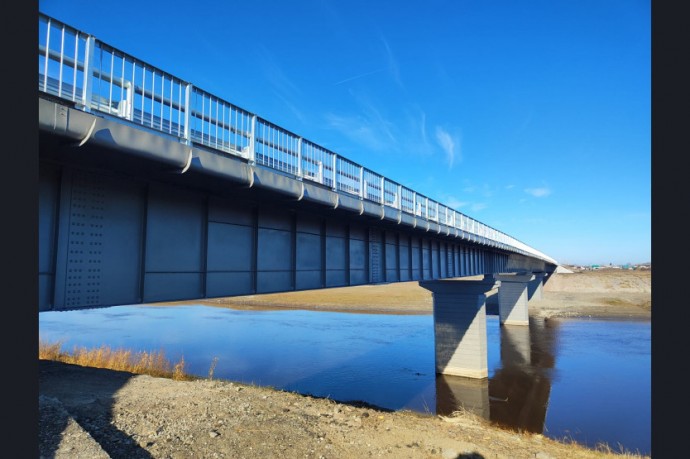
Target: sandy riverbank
[(612, 293)]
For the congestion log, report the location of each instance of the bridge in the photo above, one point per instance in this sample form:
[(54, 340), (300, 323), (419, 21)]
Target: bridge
[(152, 189)]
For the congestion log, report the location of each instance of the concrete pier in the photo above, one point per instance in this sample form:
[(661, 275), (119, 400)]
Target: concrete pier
[(512, 298), (536, 287), (460, 326)]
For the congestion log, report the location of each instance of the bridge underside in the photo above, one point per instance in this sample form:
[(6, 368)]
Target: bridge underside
[(119, 226), (109, 240)]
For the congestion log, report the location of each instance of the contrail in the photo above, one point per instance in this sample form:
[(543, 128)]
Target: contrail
[(357, 76)]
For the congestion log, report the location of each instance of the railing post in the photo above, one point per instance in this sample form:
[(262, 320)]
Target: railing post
[(129, 97), (46, 59), (187, 113), (399, 207), (335, 172), (252, 141), (383, 190), (426, 209), (414, 203), (361, 182), (299, 157), (87, 92)]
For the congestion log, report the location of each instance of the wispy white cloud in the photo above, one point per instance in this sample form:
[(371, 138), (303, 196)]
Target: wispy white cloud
[(361, 75), (359, 129), (404, 130), (414, 132), (538, 192), (372, 128), (454, 203), (392, 63), (275, 74), (450, 144), (487, 190), (377, 119), (369, 127), (509, 187), (283, 87), (292, 107)]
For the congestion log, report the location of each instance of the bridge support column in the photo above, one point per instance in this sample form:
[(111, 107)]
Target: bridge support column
[(512, 298), (535, 288), (460, 326)]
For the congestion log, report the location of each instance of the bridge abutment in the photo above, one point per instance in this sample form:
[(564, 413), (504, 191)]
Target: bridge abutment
[(460, 326)]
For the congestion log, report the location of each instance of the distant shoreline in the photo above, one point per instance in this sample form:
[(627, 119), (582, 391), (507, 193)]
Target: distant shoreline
[(602, 293)]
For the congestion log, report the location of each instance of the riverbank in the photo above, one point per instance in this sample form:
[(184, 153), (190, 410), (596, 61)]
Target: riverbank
[(605, 293), (92, 413)]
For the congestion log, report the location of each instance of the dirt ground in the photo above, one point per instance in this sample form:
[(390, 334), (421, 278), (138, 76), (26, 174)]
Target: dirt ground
[(95, 413)]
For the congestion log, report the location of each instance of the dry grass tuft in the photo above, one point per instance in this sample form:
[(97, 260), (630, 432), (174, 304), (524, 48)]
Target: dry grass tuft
[(148, 363), (213, 368), (464, 416), (621, 452)]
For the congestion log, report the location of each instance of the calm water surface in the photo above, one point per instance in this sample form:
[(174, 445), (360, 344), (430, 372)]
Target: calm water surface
[(589, 380)]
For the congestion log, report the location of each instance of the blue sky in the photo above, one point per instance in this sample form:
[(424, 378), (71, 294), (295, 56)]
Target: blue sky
[(533, 117)]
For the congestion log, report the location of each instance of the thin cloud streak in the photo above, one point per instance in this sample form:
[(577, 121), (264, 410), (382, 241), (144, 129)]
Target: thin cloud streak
[(538, 192), (370, 128), (448, 144), (392, 63), (358, 129), (362, 75)]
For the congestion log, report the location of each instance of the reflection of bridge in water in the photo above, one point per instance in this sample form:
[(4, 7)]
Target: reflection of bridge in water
[(517, 395)]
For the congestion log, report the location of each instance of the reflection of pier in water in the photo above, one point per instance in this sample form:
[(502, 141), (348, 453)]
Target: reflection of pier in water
[(517, 395)]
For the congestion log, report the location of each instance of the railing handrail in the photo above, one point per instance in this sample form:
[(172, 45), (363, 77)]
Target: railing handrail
[(187, 114)]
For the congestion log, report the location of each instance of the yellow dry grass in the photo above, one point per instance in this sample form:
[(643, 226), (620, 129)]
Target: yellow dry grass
[(142, 362)]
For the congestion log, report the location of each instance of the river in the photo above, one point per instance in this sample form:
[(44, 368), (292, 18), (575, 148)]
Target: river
[(582, 379)]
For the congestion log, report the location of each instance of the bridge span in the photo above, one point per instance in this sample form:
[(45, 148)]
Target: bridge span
[(152, 189)]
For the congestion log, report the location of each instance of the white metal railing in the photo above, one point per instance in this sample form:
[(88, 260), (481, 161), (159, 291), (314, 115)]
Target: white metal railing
[(373, 186), (218, 124), (317, 163), (349, 178), (75, 66), (407, 200)]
